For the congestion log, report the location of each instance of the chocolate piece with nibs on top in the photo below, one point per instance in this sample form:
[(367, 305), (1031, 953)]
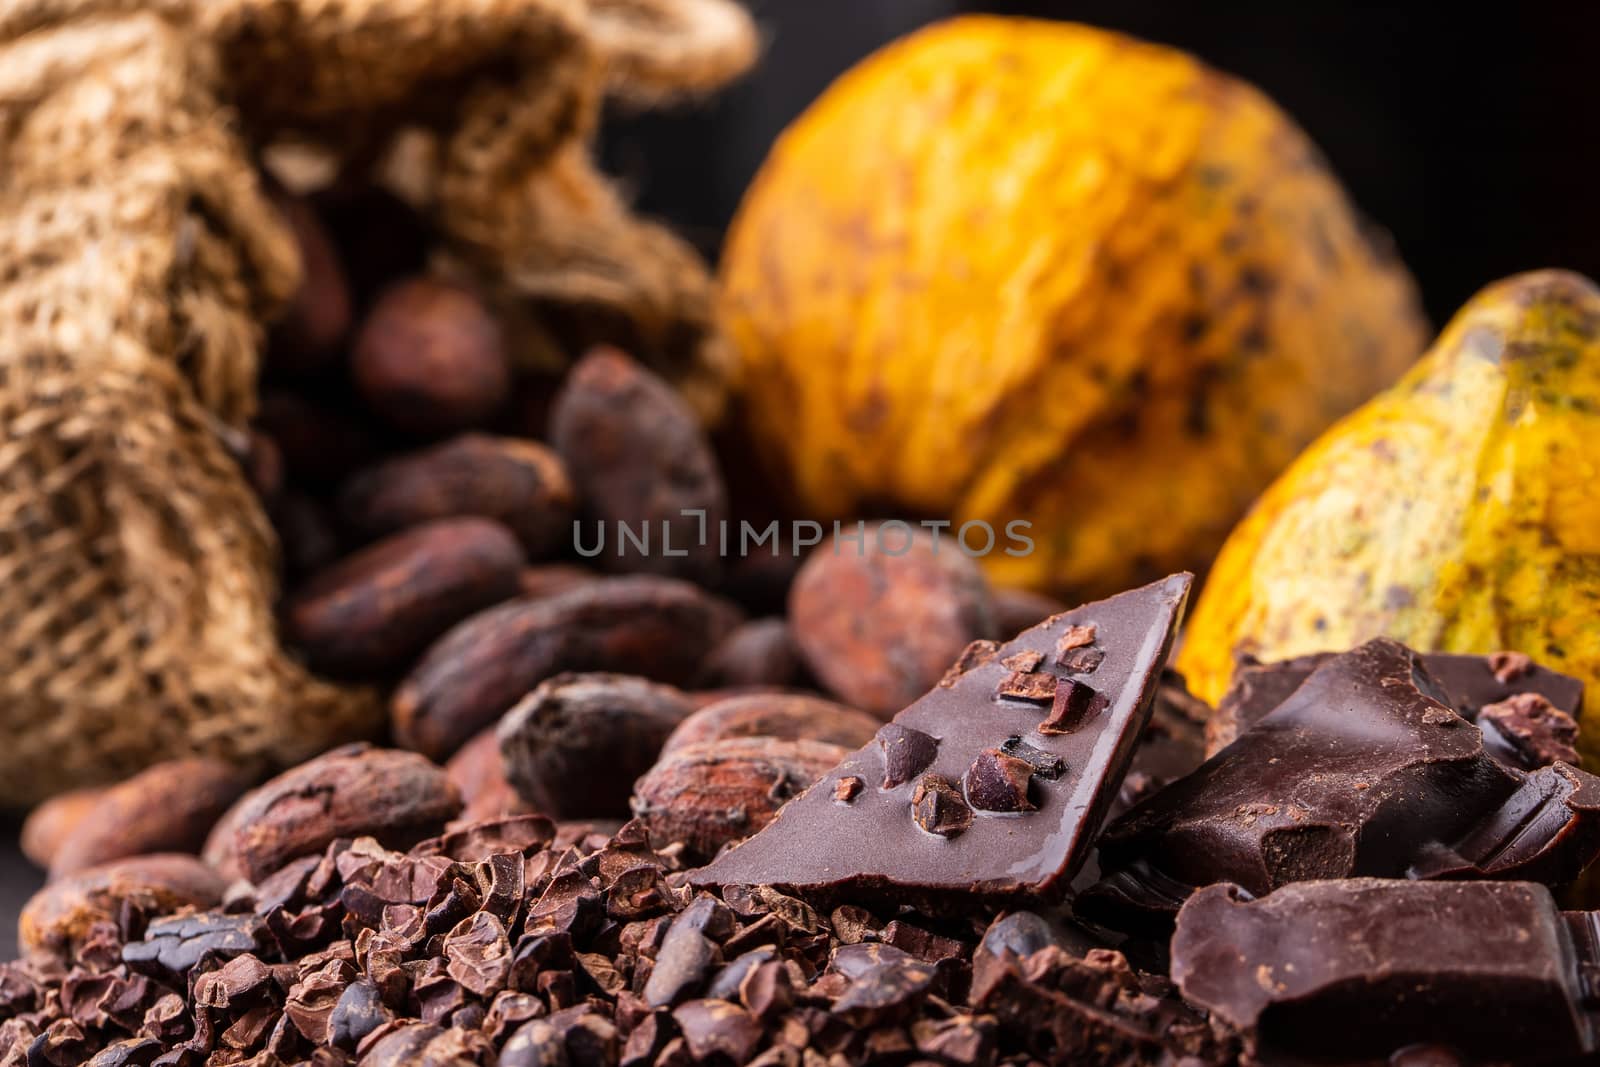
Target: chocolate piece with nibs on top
[(1362, 771), (1353, 970), (891, 842)]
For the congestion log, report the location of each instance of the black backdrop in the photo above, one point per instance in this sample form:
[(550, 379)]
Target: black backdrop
[(1474, 139)]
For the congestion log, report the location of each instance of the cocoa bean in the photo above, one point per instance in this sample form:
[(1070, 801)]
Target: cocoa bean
[(640, 458), (760, 652), (166, 808), (430, 358), (52, 822), (479, 774), (1016, 610), (521, 484), (879, 621), (58, 917), (548, 579), (574, 745), (789, 716), (656, 628), (310, 335), (377, 609), (717, 792), (399, 798)]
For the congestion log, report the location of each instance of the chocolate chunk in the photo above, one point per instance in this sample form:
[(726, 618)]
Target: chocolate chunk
[(1362, 771), (1046, 765), (1525, 729), (816, 846), (906, 753), (937, 807), (1035, 687), (998, 782), (1470, 683), (1074, 704), (1352, 970)]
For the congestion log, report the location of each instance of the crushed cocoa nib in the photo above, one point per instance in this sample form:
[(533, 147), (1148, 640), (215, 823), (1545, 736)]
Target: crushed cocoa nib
[(906, 753), (1074, 637), (997, 781), (847, 789), (937, 807), (1535, 729), (975, 654), (1023, 662), (1046, 765), (1074, 704), (1081, 660), (1509, 666), (1034, 687)]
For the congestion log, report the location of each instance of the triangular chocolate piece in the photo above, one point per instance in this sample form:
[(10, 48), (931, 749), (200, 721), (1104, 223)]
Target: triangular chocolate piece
[(1032, 740)]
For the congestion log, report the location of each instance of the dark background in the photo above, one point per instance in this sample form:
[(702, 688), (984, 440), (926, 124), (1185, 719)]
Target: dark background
[(1474, 140)]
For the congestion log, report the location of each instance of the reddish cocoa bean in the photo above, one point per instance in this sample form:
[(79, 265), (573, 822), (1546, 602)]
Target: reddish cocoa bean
[(378, 608), (60, 914), (760, 652), (353, 791), (710, 794), (430, 358), (521, 484), (52, 822), (166, 808), (548, 579), (574, 745), (789, 716), (639, 457), (878, 622), (311, 333), (479, 774), (656, 628), (1016, 610)]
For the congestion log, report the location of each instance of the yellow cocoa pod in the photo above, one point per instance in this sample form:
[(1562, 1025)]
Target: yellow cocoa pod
[(1458, 511), (1010, 269)]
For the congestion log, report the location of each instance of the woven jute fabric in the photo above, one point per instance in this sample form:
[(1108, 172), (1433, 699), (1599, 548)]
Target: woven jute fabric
[(140, 263)]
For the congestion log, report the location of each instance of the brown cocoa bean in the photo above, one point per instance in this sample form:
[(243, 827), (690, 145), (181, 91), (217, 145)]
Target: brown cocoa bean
[(878, 621), (574, 745), (166, 808), (1016, 610), (521, 484), (319, 445), (657, 628), (788, 716), (56, 919), (52, 822), (710, 794), (311, 333), (377, 609), (479, 774), (760, 652), (352, 791), (639, 458), (430, 358), (548, 579)]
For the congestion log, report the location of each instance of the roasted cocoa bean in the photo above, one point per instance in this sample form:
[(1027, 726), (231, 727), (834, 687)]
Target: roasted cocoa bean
[(479, 774), (521, 484), (640, 459), (759, 652), (656, 628), (311, 332), (1016, 610), (56, 919), (430, 358), (53, 822), (377, 609), (788, 716), (878, 621), (713, 793), (166, 808), (356, 790), (573, 746), (548, 579)]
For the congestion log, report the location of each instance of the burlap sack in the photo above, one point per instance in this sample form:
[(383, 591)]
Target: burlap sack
[(139, 263)]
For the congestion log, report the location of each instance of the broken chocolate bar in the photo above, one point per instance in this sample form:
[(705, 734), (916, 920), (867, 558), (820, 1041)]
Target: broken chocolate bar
[(1354, 970), (1363, 770), (1006, 798), (1471, 683)]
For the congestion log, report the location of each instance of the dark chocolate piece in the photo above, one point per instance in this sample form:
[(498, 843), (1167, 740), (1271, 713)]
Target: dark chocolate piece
[(1352, 970), (1470, 682), (1528, 730), (881, 841), (1362, 771)]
